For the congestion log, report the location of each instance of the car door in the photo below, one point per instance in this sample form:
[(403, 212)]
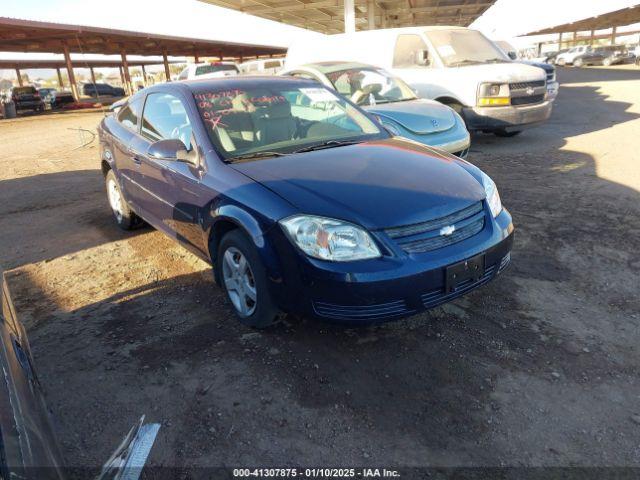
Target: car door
[(174, 193), (127, 145)]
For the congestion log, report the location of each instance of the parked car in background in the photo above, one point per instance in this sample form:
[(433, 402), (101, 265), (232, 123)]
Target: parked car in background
[(570, 55), (29, 448), (266, 66), (456, 66), (605, 55), (26, 98), (55, 98), (301, 201), (102, 90), (395, 104), (209, 70), (552, 84), (549, 57)]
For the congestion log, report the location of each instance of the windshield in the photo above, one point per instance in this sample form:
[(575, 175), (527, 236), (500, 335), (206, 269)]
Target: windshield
[(461, 47), (215, 67), (280, 118), (368, 86)]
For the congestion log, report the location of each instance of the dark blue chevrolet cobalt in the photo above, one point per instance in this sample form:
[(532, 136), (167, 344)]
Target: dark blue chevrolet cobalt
[(301, 201)]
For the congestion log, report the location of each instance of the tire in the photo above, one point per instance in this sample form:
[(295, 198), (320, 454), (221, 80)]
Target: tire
[(124, 216), (578, 62), (606, 62), (246, 287), (505, 134), (562, 62)]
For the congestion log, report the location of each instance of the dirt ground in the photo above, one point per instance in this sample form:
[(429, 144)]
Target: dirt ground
[(539, 368)]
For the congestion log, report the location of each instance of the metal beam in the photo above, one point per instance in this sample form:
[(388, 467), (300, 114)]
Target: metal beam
[(127, 78), (19, 76), (60, 82), (349, 16), (71, 75), (167, 73)]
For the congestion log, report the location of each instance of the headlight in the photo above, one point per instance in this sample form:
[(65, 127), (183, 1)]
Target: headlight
[(329, 239), (493, 197), (493, 94)]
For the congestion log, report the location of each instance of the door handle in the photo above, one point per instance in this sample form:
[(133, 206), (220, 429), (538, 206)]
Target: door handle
[(136, 159)]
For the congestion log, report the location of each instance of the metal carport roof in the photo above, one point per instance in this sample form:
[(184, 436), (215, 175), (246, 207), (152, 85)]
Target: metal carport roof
[(332, 16), (618, 18)]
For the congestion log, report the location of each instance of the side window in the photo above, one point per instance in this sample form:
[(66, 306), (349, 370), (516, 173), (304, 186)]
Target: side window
[(164, 118), (306, 75), (408, 50), (130, 113)]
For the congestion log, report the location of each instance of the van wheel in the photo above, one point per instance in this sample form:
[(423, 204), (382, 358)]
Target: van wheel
[(244, 280), (125, 218), (504, 133)]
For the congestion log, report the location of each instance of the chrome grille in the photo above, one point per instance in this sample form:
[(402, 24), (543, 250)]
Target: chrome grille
[(426, 236), (525, 85)]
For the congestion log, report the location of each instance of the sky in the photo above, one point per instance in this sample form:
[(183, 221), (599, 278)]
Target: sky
[(191, 18)]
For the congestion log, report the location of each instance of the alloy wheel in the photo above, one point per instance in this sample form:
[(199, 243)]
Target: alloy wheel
[(115, 200), (239, 281)]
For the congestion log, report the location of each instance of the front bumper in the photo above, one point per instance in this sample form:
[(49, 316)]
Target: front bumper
[(506, 118), (387, 288)]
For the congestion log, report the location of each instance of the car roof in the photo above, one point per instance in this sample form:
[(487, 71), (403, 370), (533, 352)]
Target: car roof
[(228, 83)]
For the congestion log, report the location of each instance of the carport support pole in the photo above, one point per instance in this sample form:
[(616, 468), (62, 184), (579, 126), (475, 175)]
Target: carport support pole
[(72, 77), (144, 76), (167, 73), (614, 31), (591, 39), (560, 41), (93, 75), (371, 19), (60, 82), (127, 77), (349, 16), (19, 77)]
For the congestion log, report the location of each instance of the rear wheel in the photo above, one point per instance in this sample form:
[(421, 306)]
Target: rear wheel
[(244, 280), (124, 216), (606, 62), (578, 62), (504, 133)]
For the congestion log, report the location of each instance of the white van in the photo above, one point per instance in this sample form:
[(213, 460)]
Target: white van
[(454, 65), (266, 66)]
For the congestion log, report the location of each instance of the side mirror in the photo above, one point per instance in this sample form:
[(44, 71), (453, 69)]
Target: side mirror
[(512, 55), (172, 149)]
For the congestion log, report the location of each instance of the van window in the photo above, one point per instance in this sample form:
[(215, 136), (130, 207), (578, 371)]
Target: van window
[(166, 118), (129, 115), (408, 51), (272, 64), (460, 46)]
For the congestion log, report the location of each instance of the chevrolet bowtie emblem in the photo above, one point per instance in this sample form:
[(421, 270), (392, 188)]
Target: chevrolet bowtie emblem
[(448, 230)]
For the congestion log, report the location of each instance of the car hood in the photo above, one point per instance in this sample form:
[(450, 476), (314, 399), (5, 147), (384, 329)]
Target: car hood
[(545, 66), (508, 72), (377, 184), (418, 116)]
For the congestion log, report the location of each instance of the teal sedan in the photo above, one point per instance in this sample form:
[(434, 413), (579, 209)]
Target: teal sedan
[(395, 104)]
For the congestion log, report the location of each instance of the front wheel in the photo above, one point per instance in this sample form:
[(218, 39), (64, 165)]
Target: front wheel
[(606, 62), (125, 218), (244, 280), (578, 63), (504, 133)]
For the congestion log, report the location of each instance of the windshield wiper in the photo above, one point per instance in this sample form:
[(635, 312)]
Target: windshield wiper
[(495, 60), (327, 144), (255, 155)]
